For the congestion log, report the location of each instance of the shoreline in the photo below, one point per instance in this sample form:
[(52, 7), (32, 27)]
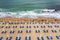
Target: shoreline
[(30, 14), (26, 19)]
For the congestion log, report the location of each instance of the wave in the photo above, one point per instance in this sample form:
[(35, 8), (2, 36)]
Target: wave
[(51, 13)]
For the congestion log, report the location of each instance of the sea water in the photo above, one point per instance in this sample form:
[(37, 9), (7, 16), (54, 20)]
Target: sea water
[(29, 8)]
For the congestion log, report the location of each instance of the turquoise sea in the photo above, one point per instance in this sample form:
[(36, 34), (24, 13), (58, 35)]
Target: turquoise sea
[(23, 5), (30, 8)]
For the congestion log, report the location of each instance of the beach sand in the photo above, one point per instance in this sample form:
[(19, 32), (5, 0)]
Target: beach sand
[(33, 34), (26, 19)]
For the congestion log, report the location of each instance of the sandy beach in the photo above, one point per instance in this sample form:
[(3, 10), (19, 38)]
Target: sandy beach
[(33, 33), (26, 19)]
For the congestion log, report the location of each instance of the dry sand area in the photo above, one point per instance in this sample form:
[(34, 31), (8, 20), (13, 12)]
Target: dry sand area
[(33, 34)]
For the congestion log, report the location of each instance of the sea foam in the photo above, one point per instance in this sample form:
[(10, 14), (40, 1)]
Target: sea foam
[(32, 14)]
